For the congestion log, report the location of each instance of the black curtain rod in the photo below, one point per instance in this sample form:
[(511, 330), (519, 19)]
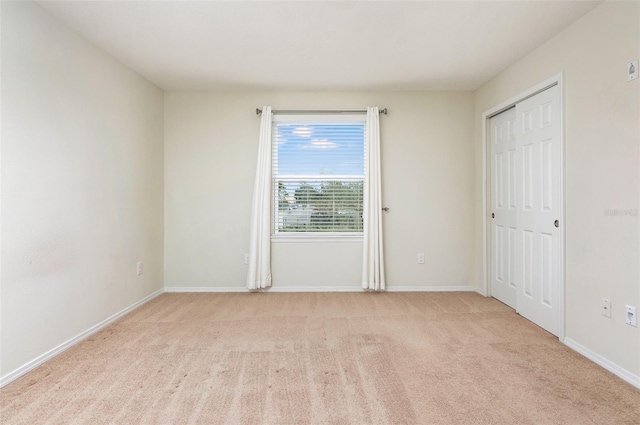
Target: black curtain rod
[(302, 111)]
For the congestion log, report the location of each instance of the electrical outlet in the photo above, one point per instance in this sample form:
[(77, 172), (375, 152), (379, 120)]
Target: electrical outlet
[(632, 70), (606, 308), (246, 258), (420, 258), (139, 268), (631, 315)]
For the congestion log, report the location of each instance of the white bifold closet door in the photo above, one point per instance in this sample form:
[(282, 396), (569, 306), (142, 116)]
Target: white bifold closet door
[(526, 207), (503, 206)]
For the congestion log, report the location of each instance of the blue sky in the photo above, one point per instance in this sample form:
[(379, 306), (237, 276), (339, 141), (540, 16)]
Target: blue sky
[(320, 148)]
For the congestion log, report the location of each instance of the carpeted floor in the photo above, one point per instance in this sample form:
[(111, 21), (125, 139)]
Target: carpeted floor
[(320, 358)]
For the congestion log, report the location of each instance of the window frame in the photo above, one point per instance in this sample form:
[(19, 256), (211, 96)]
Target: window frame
[(309, 237)]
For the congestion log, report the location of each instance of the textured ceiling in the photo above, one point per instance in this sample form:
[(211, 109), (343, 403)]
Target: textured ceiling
[(322, 45)]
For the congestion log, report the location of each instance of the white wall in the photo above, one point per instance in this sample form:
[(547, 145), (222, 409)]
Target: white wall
[(602, 148), (427, 165), (82, 185)]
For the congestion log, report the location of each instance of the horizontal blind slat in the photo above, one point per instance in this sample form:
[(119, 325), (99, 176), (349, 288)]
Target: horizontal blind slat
[(318, 177)]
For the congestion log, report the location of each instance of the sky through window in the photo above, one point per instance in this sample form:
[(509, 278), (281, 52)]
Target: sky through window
[(326, 149)]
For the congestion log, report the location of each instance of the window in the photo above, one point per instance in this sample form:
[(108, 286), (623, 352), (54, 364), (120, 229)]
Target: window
[(318, 175)]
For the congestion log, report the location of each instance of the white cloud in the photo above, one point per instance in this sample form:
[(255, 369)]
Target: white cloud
[(320, 144), (302, 131)]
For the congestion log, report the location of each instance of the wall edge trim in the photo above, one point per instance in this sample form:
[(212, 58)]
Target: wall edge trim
[(355, 288), (612, 367), (41, 359)]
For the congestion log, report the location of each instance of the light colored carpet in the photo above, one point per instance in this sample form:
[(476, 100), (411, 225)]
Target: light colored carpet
[(321, 358)]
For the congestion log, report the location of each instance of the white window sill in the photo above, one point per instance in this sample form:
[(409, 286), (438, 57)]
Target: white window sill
[(316, 238)]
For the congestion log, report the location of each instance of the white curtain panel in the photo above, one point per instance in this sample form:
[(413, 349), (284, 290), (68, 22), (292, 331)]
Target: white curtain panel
[(373, 253), (260, 237)]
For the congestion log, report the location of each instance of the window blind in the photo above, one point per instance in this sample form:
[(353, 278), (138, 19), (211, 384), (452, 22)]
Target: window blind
[(318, 175)]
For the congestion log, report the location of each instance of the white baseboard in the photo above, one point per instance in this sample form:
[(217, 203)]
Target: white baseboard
[(481, 291), (320, 289), (601, 361), (205, 289), (271, 289), (432, 289), (12, 376)]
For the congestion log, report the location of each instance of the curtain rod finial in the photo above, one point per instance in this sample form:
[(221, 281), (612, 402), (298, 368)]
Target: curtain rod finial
[(383, 111), (258, 111)]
